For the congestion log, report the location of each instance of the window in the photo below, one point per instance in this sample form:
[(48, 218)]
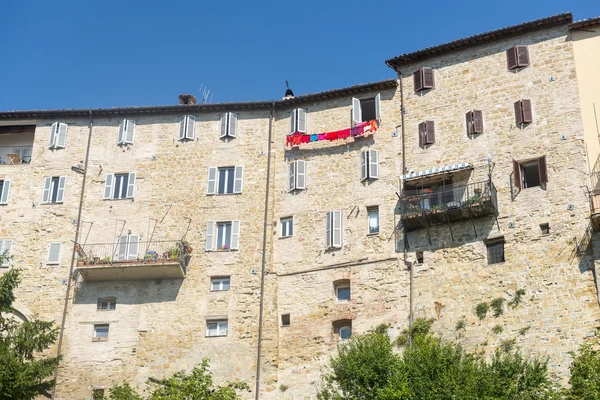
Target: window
[(517, 57), (119, 186), (523, 112), (495, 250), (187, 127), (107, 304), (4, 191), (345, 332), (216, 328), (128, 247), (343, 329), (287, 226), (5, 247), (531, 173), (474, 122), (342, 290), (423, 78), (297, 175), (373, 217), (58, 136), (426, 133), (226, 180), (54, 190), (53, 253), (100, 333), (285, 319), (228, 125), (420, 257), (369, 164), (545, 228), (126, 131), (98, 394), (298, 120), (218, 284), (333, 231), (364, 110), (222, 236)]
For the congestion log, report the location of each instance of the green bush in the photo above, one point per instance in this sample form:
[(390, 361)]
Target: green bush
[(481, 310)]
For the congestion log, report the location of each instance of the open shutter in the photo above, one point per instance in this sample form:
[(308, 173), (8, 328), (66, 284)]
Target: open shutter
[(302, 120), (418, 80), (121, 131), (511, 58), (363, 165), (233, 124), (54, 253), (542, 169), (517, 174), (292, 176), (469, 120), (328, 222), (5, 247), (209, 236), (522, 55), (238, 180), (122, 248), (47, 189), (428, 78), (356, 110), (182, 127), (519, 113), (337, 229), (212, 181), (5, 192), (108, 186), (223, 132), (131, 185), (477, 121), (53, 134), (60, 195), (527, 111), (130, 132), (373, 164), (293, 127), (190, 131), (133, 247), (300, 174), (422, 133), (235, 235), (378, 107), (61, 138), (430, 132)]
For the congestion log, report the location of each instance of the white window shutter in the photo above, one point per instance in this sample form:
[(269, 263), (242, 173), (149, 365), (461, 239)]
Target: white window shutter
[(54, 253), (182, 120), (223, 125), (108, 186), (300, 174), (212, 181), (337, 229), (131, 185), (5, 192), (122, 248), (302, 120), (292, 176), (293, 127), (190, 131), (47, 189), (61, 138), (233, 124), (373, 164), (133, 247), (363, 165), (328, 222), (356, 110), (130, 132), (235, 235), (238, 180), (378, 107), (5, 246), (121, 131), (210, 235), (60, 196), (53, 134)]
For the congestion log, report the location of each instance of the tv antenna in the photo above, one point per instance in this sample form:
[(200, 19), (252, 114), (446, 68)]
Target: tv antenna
[(205, 95)]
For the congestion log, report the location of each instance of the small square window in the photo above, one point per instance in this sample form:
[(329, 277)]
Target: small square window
[(545, 228), (420, 257), (285, 319), (53, 253), (218, 284), (100, 333), (495, 251), (287, 226), (373, 216), (97, 394), (216, 328), (107, 303), (345, 332), (342, 293)]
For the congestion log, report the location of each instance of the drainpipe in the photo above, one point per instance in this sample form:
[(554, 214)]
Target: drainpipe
[(64, 316), (264, 255)]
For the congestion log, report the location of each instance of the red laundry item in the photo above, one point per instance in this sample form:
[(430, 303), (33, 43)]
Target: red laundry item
[(296, 137), (288, 141), (305, 139), (344, 134), (331, 136)]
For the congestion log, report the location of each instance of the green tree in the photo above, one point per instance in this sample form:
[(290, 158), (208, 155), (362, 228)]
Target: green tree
[(585, 375), (24, 371)]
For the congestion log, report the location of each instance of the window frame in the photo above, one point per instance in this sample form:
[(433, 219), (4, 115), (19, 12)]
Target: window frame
[(295, 120), (184, 125), (342, 286), (124, 126), (218, 323), (493, 256), (286, 319), (3, 246), (110, 301), (5, 191), (54, 262), (95, 337), (289, 222), (294, 175), (221, 279), (51, 189), (227, 172), (211, 235), (519, 179), (369, 209), (345, 328)]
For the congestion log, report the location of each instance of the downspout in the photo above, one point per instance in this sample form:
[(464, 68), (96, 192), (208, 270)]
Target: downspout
[(75, 244), (264, 255)]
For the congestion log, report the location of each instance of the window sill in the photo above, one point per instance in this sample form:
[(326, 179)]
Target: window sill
[(96, 339), (219, 290), (52, 263), (373, 234), (285, 237), (210, 336)]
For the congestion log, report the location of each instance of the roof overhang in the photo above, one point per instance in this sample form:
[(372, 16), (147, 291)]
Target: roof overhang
[(436, 171)]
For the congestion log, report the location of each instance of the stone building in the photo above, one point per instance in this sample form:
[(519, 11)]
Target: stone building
[(261, 234)]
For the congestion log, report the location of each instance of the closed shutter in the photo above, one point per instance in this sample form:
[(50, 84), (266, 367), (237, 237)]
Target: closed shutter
[(373, 164), (190, 131), (238, 180), (129, 132), (53, 253), (516, 174), (293, 127), (302, 120), (61, 138), (527, 111), (53, 134), (428, 78), (356, 110), (235, 235), (328, 222), (511, 58), (5, 247), (131, 185), (430, 133), (223, 131), (5, 192), (363, 165), (182, 127), (133, 247), (477, 121), (60, 196), (292, 176), (542, 169), (209, 236), (417, 80), (233, 124), (108, 186), (121, 131), (422, 133), (337, 229), (122, 248), (211, 188), (47, 189), (300, 174), (469, 120), (519, 113), (522, 56), (378, 107)]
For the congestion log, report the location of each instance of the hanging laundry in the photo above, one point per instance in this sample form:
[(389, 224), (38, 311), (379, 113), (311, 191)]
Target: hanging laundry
[(359, 129), (314, 138)]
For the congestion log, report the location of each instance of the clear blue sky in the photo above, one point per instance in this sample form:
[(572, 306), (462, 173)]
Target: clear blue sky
[(108, 53)]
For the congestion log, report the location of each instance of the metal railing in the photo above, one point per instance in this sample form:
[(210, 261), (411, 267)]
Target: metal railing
[(15, 154), (133, 251), (595, 202), (451, 197)]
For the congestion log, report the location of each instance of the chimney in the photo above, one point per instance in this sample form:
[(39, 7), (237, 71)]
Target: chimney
[(187, 99)]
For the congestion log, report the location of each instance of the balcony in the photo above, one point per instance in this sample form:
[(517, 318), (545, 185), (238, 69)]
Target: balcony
[(443, 205), (595, 209), (129, 260), (16, 144)]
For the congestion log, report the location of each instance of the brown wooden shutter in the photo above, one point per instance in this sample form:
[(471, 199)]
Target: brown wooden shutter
[(522, 56), (527, 112), (477, 121), (430, 132), (418, 81), (516, 174), (428, 78), (469, 118), (519, 113), (511, 58), (422, 131), (542, 169)]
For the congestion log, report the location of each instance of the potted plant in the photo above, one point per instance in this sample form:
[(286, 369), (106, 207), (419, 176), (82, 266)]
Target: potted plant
[(174, 253), (150, 256), (106, 260)]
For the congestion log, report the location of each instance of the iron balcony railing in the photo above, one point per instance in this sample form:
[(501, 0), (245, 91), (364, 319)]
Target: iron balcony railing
[(450, 197), (134, 251), (595, 202)]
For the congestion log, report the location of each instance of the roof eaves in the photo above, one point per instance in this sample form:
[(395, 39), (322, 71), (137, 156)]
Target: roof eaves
[(584, 23)]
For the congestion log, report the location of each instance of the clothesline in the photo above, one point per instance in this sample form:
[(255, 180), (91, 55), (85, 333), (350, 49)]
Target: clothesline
[(297, 138)]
